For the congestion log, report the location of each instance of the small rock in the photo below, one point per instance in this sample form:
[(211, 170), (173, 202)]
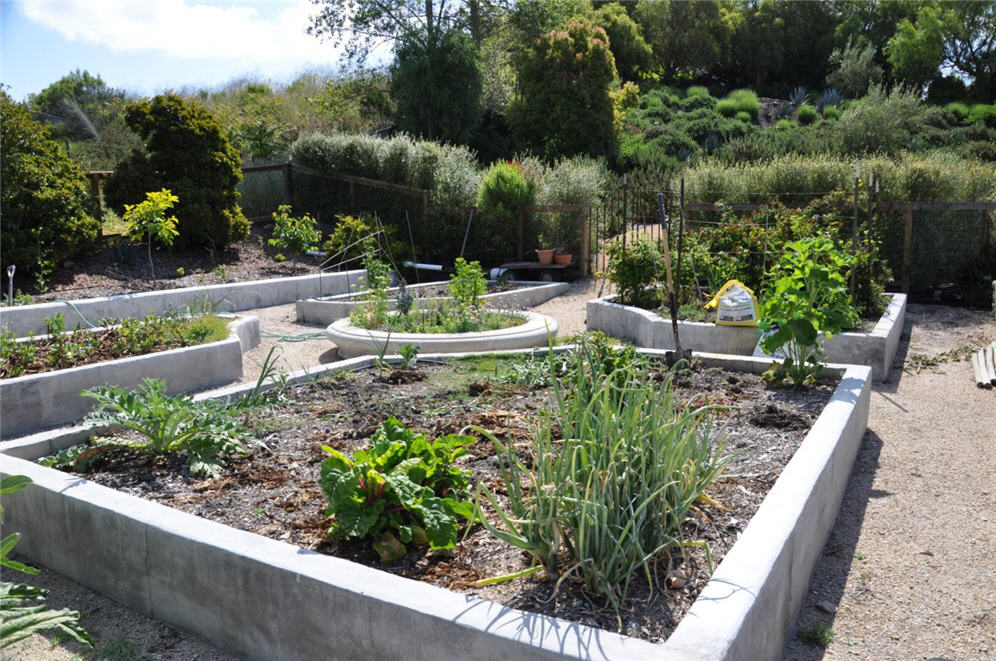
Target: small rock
[(675, 580), (927, 552), (826, 607)]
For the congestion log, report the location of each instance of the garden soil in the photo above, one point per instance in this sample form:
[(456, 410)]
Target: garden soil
[(905, 574)]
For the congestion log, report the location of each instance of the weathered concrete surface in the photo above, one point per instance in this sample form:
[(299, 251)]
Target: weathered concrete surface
[(355, 341), (37, 401), (24, 319), (266, 599), (647, 329), (330, 308)]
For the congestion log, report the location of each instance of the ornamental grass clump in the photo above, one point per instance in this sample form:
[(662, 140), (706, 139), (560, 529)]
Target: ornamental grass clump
[(609, 477)]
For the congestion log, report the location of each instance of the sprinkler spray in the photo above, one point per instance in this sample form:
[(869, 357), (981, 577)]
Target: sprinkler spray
[(10, 284)]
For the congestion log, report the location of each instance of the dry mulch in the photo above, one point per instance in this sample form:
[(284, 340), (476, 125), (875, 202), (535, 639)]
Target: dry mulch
[(276, 494)]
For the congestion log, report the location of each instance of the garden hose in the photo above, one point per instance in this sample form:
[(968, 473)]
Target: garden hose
[(77, 311), (300, 337)]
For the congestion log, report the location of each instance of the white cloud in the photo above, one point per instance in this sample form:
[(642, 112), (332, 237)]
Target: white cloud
[(191, 30)]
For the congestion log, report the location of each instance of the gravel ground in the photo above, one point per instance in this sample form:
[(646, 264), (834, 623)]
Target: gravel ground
[(906, 573)]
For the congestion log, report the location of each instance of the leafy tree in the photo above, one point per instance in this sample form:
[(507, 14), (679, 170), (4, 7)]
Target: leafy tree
[(44, 200), (685, 36), (960, 36), (633, 55), (148, 220), (361, 25), (564, 107), (436, 83), (297, 235), (854, 70), (78, 105), (186, 152)]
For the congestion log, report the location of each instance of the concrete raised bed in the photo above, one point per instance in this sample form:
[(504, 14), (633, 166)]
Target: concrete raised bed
[(525, 295), (25, 319), (37, 401), (647, 329), (355, 341), (200, 576)]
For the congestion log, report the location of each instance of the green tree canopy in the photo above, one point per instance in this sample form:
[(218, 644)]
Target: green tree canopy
[(564, 107), (436, 82), (78, 105), (186, 152), (632, 53), (44, 200)]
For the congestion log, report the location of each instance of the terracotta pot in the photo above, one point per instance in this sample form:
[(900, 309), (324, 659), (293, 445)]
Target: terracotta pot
[(545, 256), (562, 258)]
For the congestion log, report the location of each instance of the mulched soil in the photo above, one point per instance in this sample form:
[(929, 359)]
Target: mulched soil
[(274, 492), (121, 268)]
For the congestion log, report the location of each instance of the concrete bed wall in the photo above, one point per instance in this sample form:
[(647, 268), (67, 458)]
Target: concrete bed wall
[(37, 401), (24, 319), (200, 576), (648, 329), (331, 308)]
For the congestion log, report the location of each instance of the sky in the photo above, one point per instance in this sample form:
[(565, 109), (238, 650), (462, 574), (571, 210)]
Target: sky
[(150, 46)]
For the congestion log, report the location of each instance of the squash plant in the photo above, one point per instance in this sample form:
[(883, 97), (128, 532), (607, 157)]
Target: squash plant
[(403, 490), (810, 300)]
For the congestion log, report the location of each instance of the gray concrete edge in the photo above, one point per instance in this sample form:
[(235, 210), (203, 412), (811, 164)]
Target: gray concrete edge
[(229, 297), (876, 348), (331, 308), (756, 619), (353, 341), (35, 401)]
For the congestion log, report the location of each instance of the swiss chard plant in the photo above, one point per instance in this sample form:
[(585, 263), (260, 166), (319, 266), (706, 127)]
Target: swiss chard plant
[(404, 489), (164, 424), (809, 303)]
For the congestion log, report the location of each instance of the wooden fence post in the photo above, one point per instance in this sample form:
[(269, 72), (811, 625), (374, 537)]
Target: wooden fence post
[(288, 183), (585, 244), (908, 248)]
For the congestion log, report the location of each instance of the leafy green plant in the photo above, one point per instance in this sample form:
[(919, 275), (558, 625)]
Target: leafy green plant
[(186, 152), (22, 607), (810, 299), (372, 313), (634, 269), (148, 220), (297, 235), (403, 490), (409, 356), (14, 356), (818, 635), (807, 114), (165, 423), (468, 284), (612, 494)]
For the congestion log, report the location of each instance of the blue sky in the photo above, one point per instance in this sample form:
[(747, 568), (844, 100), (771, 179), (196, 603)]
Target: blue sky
[(149, 46)]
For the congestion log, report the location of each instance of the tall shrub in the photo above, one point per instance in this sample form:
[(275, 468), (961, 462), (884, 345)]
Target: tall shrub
[(186, 152), (564, 107), (44, 198), (436, 82)]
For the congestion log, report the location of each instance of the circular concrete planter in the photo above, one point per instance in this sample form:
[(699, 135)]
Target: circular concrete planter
[(355, 341)]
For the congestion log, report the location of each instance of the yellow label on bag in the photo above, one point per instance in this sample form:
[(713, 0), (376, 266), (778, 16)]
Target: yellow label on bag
[(735, 305)]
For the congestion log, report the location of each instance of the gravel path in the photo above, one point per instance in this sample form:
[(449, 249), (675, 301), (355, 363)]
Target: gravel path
[(906, 573)]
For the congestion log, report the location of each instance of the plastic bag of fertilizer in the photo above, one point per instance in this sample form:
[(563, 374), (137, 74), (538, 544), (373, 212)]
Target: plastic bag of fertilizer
[(735, 305)]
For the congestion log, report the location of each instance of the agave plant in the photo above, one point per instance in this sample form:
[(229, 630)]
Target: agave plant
[(830, 97), (799, 96)]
